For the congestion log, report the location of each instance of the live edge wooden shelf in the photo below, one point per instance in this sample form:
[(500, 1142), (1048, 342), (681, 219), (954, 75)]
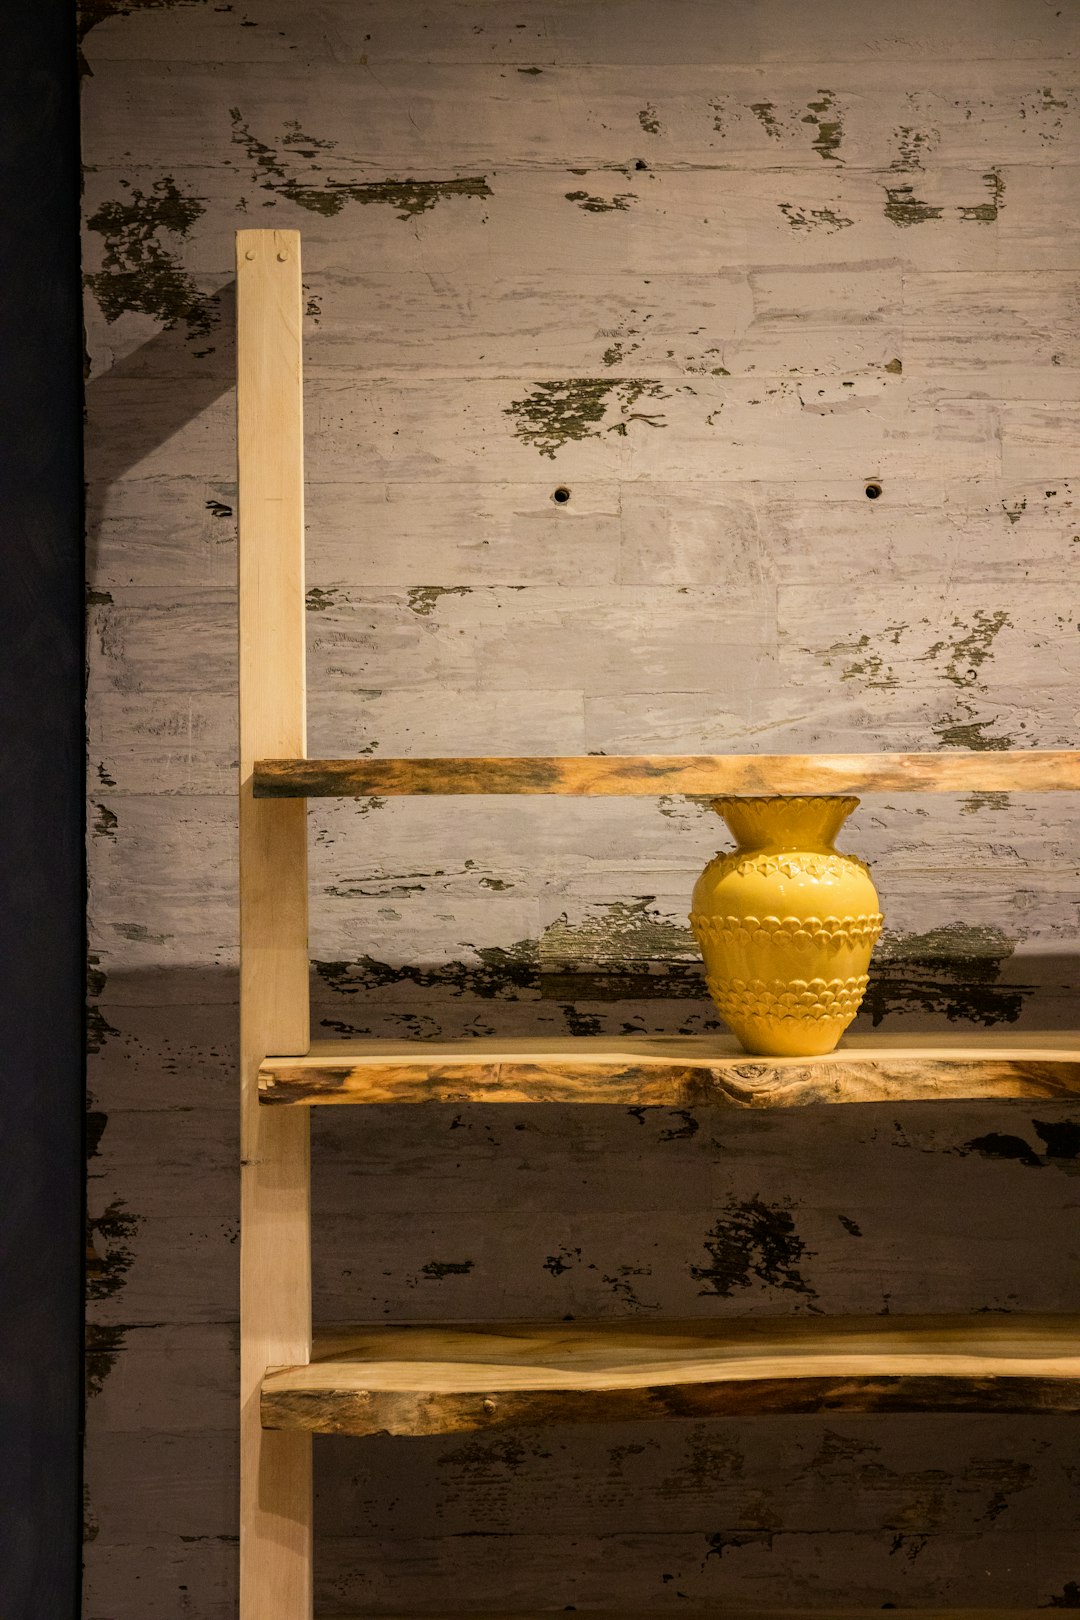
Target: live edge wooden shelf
[(677, 1071), (594, 775), (444, 1379)]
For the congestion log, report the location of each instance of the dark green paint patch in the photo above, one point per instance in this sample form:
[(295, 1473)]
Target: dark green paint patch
[(601, 205), (498, 973), (974, 735), (581, 408), (823, 114), (422, 599), (904, 208), (410, 197), (140, 273), (95, 977), (620, 1284), (273, 170), (967, 653), (851, 1227), (531, 71), (103, 1346), (985, 213), (565, 1260), (99, 598), (438, 1269), (105, 823), (319, 601), (814, 219), (92, 12), (719, 1543), (765, 113), (623, 951), (894, 367), (688, 1129), (997, 1145), (648, 120), (581, 1023), (953, 970), (96, 1124), (911, 146), (861, 660), (753, 1241), (1068, 1598), (977, 802), (98, 1028), (109, 1255)]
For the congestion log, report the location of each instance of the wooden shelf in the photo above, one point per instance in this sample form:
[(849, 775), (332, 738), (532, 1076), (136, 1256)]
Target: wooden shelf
[(425, 1379), (950, 771), (712, 1613), (674, 1071), (708, 1612), (446, 1380)]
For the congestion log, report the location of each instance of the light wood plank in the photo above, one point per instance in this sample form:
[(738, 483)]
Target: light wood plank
[(1019, 771), (673, 1071), (444, 1380), (275, 1264)]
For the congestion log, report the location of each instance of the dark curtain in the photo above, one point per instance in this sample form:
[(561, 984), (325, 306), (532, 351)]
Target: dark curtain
[(41, 863)]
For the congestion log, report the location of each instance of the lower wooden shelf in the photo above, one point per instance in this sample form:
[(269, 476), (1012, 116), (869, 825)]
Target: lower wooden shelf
[(937, 1612), (418, 1380), (674, 1071), (710, 1613)]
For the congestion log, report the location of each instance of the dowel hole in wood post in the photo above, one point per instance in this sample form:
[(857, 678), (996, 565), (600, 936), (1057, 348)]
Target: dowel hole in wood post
[(873, 490), (561, 495)]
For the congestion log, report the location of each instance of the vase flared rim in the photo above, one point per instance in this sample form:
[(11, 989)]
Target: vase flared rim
[(751, 800)]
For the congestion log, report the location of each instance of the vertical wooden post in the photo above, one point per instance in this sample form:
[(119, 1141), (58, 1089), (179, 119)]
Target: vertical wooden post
[(275, 1242)]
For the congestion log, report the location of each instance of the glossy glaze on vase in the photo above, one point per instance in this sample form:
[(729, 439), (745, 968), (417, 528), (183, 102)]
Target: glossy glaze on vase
[(786, 925)]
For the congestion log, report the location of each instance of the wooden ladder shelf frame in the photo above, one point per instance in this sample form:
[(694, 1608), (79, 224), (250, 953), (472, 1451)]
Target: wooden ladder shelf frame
[(275, 1206), (281, 1383)]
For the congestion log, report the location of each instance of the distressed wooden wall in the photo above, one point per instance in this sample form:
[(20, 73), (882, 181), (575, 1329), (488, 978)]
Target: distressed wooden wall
[(712, 266)]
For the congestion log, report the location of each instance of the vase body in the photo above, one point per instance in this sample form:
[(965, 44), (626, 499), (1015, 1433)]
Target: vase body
[(786, 925)]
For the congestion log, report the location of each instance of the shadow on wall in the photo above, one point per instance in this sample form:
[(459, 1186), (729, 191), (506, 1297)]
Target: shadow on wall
[(176, 383)]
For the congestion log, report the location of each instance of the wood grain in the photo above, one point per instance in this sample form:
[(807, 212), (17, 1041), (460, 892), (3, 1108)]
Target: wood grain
[(426, 1380), (673, 1071), (1018, 770), (275, 1240)]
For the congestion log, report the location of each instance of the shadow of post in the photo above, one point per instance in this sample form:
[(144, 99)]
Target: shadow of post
[(195, 381)]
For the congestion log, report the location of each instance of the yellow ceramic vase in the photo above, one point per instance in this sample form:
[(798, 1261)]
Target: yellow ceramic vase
[(786, 925)]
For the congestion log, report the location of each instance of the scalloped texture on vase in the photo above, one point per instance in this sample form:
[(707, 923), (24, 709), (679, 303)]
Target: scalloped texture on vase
[(786, 925)]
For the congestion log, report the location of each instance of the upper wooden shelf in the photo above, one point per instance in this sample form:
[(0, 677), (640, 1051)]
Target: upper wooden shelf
[(674, 1071), (445, 1380), (950, 771)]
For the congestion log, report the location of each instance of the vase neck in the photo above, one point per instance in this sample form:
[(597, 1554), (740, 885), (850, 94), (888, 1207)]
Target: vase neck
[(783, 823)]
